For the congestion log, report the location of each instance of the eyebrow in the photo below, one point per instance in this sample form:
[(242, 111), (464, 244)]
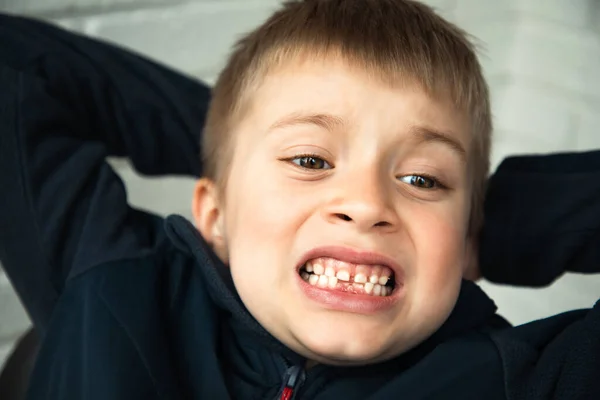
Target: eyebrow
[(428, 135), (326, 121), (331, 122)]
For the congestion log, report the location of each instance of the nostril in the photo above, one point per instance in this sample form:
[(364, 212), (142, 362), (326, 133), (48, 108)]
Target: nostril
[(383, 223), (343, 217)]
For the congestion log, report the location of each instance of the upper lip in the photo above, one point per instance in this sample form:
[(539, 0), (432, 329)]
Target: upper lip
[(353, 256)]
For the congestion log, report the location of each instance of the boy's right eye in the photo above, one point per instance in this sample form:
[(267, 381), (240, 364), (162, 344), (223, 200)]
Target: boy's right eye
[(310, 162)]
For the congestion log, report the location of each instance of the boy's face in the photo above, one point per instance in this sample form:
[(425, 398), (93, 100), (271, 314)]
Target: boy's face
[(345, 214)]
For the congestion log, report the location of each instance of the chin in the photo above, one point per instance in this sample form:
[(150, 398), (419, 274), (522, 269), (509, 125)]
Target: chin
[(335, 355), (347, 346)]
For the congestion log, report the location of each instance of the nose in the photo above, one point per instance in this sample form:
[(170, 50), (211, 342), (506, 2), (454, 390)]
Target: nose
[(366, 202)]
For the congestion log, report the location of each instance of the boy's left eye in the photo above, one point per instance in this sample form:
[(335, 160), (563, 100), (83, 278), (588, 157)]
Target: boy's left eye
[(420, 181)]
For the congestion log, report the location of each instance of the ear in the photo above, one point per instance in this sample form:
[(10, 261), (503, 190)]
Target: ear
[(207, 210), (471, 269)]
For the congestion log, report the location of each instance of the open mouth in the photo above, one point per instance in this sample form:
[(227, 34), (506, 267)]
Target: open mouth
[(330, 273)]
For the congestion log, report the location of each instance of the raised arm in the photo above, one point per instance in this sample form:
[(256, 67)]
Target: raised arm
[(542, 219), (68, 102)]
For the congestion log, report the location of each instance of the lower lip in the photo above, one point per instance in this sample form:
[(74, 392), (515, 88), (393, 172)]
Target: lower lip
[(349, 302)]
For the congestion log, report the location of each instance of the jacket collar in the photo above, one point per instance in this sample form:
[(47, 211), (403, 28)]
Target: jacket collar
[(473, 309)]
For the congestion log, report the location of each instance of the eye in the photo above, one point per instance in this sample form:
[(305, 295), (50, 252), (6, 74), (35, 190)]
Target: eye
[(310, 162), (421, 181)]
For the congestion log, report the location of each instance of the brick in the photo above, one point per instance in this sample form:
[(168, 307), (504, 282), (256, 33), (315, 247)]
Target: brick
[(493, 24), (494, 39), (57, 7), (6, 348), (498, 86), (552, 54), (556, 11), (588, 132), (536, 113), (68, 24), (571, 13), (591, 69), (481, 9), (441, 4), (163, 196), (3, 279), (190, 37), (208, 75), (528, 37), (522, 305), (445, 8), (13, 319)]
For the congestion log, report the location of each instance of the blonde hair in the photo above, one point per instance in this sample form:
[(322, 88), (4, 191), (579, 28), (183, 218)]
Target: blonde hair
[(396, 40)]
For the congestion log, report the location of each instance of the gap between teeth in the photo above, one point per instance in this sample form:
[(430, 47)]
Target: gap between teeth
[(344, 275), (331, 282)]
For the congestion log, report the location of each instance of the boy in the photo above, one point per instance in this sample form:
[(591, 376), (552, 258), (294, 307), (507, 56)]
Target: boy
[(345, 154)]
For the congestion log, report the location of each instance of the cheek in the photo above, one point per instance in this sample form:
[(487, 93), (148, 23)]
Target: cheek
[(262, 201), (256, 209), (440, 243), (261, 216), (257, 230)]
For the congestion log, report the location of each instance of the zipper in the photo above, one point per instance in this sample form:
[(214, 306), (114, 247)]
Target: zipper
[(292, 380)]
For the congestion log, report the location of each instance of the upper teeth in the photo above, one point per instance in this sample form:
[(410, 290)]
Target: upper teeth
[(365, 274), (332, 282)]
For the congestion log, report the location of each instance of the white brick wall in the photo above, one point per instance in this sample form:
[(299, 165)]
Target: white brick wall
[(541, 57), (62, 7), (13, 320), (184, 36)]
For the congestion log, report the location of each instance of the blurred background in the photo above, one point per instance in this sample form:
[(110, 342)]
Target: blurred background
[(541, 58)]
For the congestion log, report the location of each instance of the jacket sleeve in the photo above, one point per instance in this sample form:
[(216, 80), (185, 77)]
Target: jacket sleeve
[(552, 358), (87, 354), (68, 102), (542, 219)]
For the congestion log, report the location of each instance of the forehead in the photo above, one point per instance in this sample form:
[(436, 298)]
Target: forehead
[(355, 96)]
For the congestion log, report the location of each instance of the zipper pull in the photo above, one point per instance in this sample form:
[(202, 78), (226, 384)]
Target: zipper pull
[(292, 380)]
